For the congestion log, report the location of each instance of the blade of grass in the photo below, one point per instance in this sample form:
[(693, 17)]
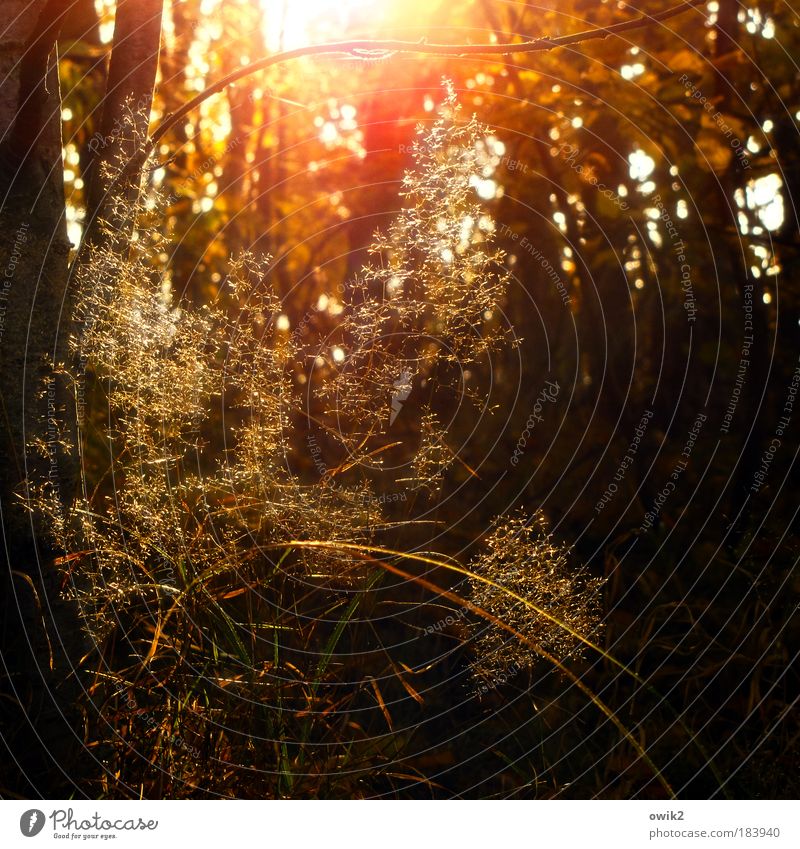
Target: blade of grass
[(593, 697), (443, 564)]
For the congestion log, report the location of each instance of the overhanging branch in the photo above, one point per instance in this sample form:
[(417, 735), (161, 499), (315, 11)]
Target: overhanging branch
[(376, 49), (370, 49)]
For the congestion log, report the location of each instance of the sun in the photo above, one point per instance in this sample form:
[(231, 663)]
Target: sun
[(289, 24)]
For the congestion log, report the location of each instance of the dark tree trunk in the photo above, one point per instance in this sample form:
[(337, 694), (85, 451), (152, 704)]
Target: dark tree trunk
[(40, 632), (126, 116), (41, 639)]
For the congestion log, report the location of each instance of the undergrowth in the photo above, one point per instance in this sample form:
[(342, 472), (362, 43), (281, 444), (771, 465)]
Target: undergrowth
[(250, 636)]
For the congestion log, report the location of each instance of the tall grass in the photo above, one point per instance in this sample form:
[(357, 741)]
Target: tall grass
[(247, 640)]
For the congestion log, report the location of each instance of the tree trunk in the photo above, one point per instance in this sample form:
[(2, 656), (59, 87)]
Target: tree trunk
[(41, 634), (126, 117), (41, 638)]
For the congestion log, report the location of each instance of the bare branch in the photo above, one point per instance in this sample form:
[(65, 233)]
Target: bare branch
[(377, 49)]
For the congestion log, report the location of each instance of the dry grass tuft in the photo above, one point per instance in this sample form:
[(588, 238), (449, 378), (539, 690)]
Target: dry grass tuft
[(522, 556), (214, 652)]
